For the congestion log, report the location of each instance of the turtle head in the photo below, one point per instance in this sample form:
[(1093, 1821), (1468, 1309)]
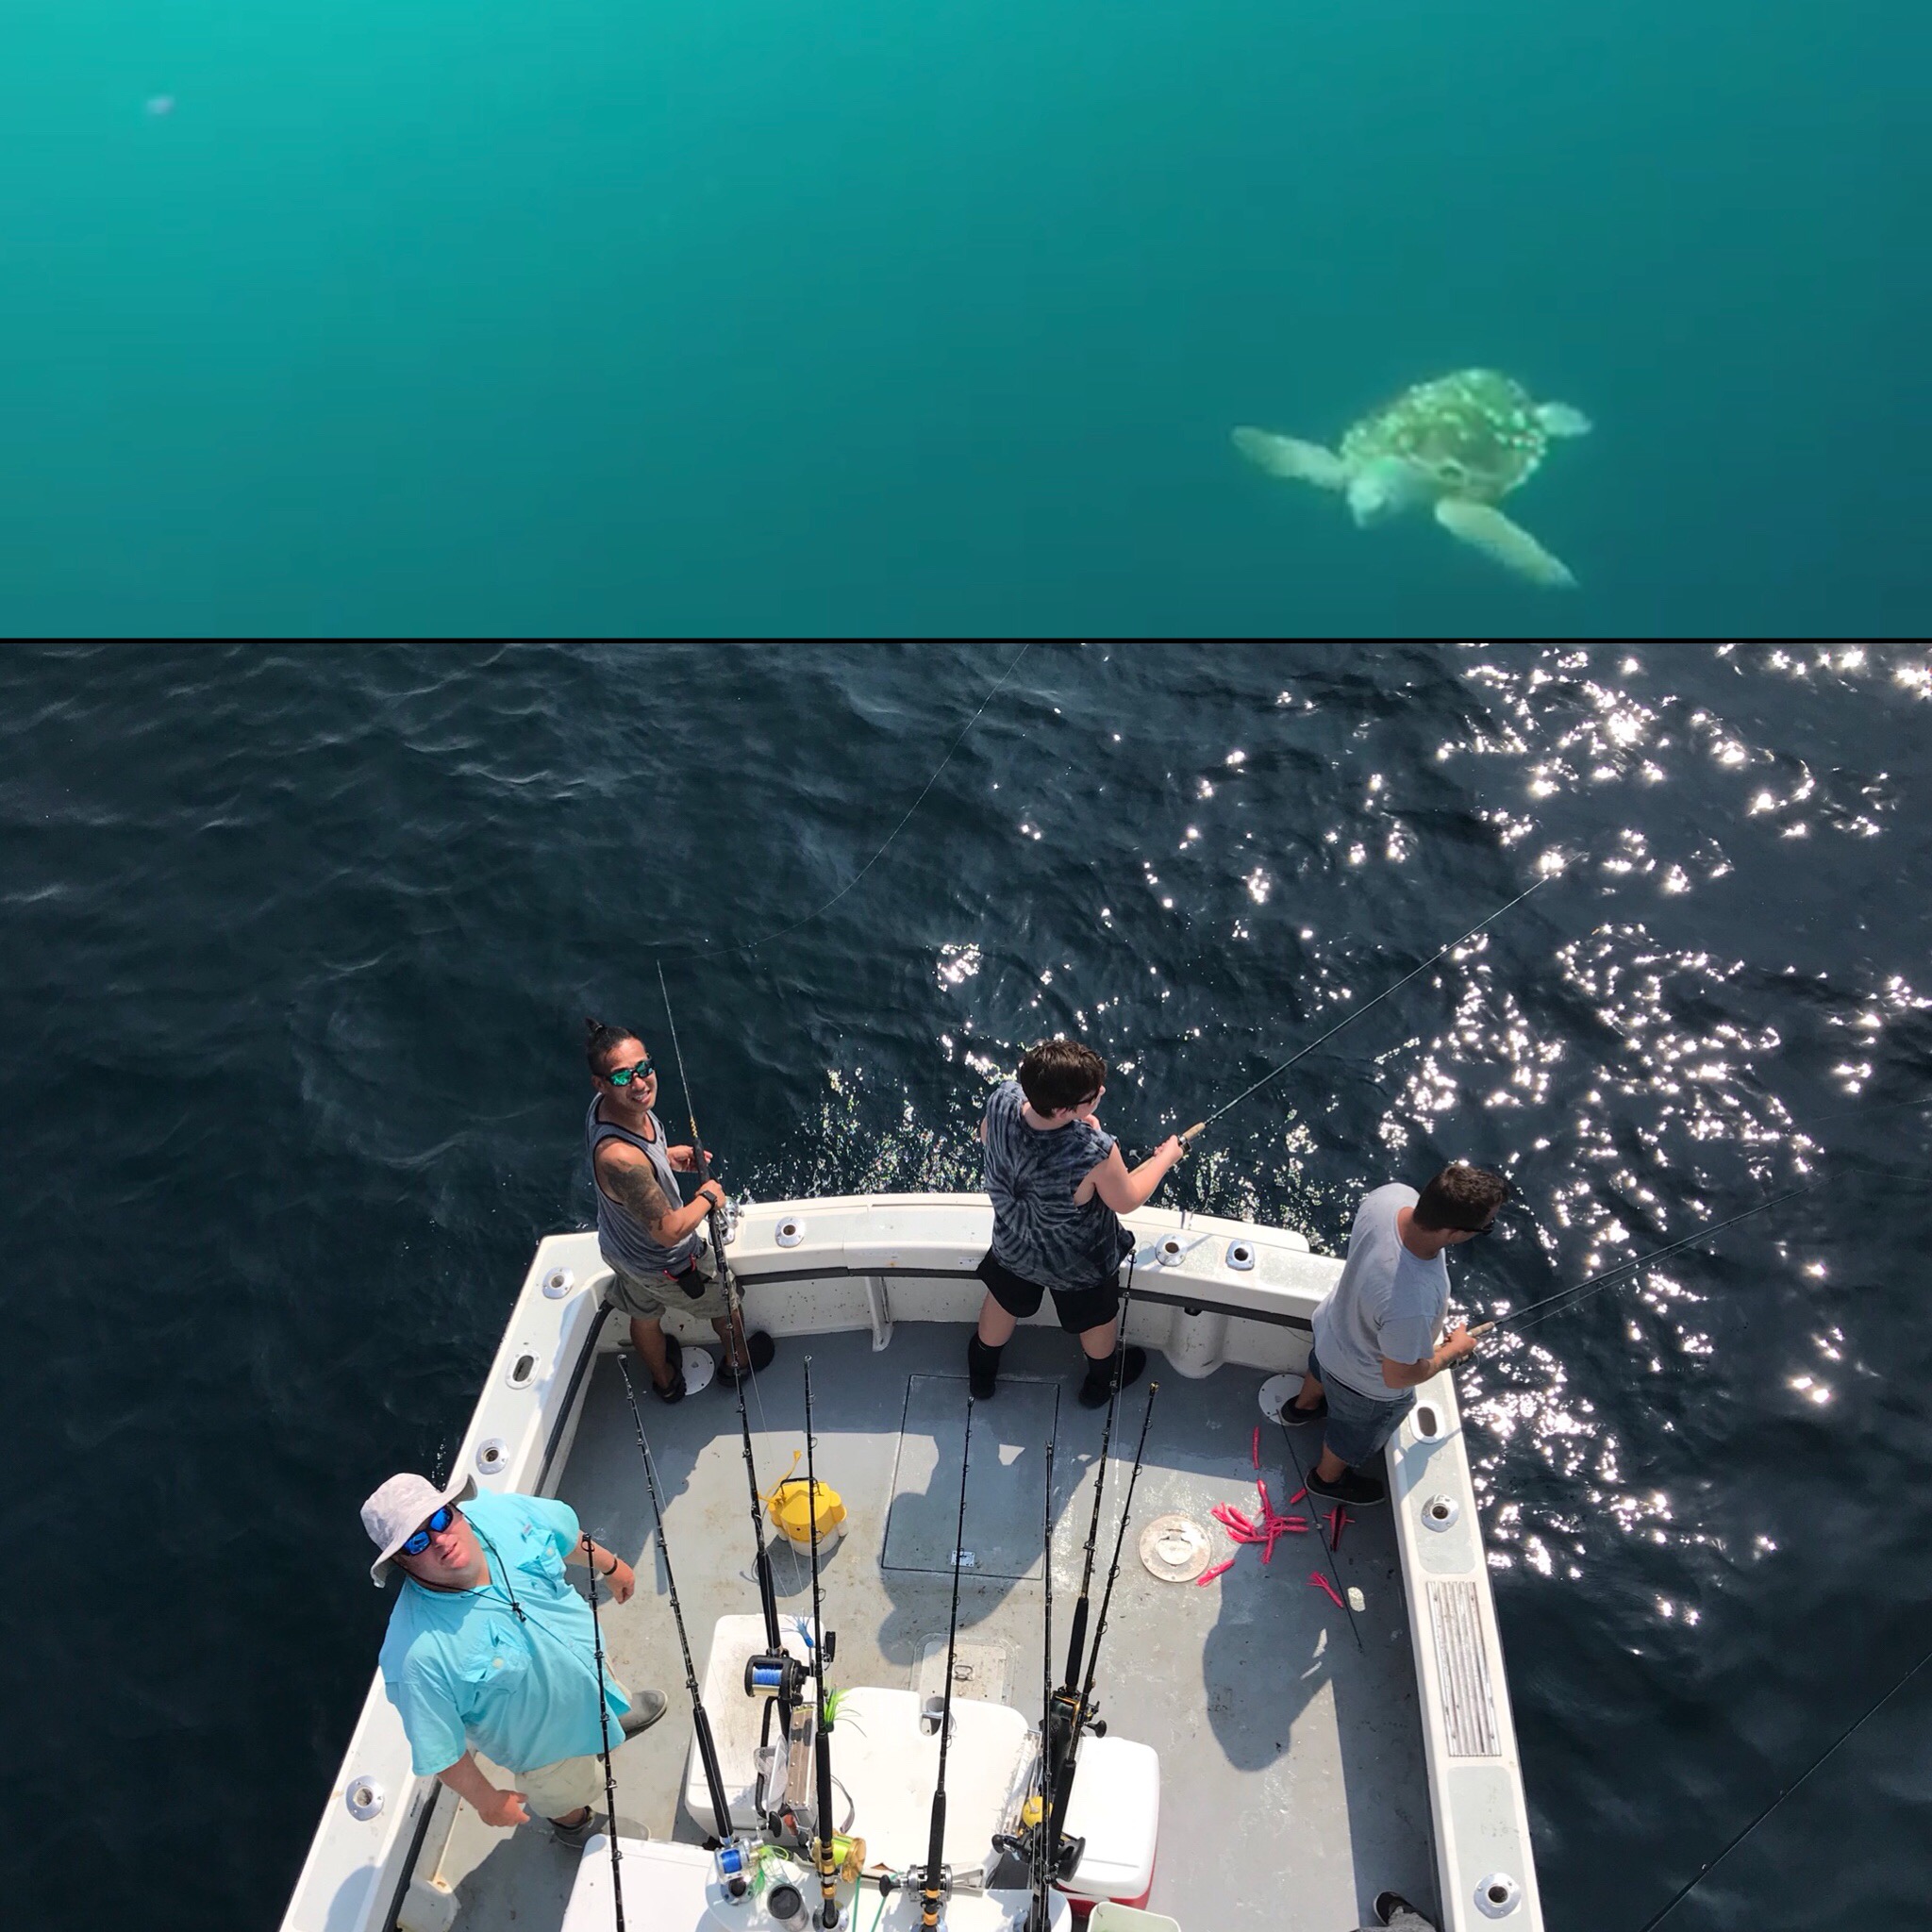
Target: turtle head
[(1384, 487)]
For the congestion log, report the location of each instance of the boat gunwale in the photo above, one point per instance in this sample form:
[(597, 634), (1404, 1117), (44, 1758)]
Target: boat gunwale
[(348, 1883)]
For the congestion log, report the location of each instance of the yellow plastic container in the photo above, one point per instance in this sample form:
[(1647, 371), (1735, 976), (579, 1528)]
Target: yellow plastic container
[(789, 1507)]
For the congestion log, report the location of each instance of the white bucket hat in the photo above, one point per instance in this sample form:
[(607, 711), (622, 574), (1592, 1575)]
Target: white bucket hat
[(397, 1510)]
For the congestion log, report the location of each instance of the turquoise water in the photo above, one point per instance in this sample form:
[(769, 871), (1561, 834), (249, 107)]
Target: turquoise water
[(801, 319)]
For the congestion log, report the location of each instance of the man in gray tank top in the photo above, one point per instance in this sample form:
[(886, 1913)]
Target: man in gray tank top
[(652, 1239)]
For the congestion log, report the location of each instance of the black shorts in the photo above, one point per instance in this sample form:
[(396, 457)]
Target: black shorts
[(1080, 1308)]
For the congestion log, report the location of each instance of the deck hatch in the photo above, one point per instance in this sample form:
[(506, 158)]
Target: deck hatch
[(1462, 1664), (1003, 1499)]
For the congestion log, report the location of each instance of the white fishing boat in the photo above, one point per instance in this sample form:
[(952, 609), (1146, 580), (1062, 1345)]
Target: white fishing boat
[(1285, 1741)]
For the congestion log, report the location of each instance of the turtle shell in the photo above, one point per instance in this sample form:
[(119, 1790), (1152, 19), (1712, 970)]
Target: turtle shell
[(1475, 433)]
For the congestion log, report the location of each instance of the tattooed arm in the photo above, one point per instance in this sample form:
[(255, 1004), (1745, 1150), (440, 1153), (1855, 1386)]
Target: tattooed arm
[(631, 1181)]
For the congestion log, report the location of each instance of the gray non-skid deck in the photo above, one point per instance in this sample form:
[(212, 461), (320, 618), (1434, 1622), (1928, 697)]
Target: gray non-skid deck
[(1292, 1781)]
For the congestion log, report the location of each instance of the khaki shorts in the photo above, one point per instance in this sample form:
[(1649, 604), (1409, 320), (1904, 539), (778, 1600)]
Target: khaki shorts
[(648, 1298), (555, 1790)]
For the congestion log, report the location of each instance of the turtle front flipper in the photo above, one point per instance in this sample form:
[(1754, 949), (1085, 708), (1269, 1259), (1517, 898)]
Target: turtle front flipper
[(1484, 528), (1284, 456), (1562, 419)]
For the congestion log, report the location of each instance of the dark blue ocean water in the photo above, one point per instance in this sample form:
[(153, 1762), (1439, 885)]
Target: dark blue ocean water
[(776, 320), (296, 948)]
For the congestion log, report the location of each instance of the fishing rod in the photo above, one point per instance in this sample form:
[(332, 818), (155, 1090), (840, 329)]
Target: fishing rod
[(1066, 1855), (820, 1651), (1076, 1637), (775, 1674), (1582, 1290), (733, 1857), (1844, 1737), (1201, 1127), (603, 1727), (1030, 1841), (1040, 1910), (938, 1881), (1064, 1716)]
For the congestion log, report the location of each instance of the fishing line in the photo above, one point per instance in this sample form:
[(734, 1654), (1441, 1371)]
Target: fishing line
[(777, 1672), (1202, 1126), (937, 1882), (1039, 1910), (732, 1861), (1703, 1871), (1883, 1106), (1076, 1639), (499, 1576), (820, 1649), (1114, 1568), (783, 931), (715, 1220), (604, 1725), (1302, 1483), (1582, 1290)]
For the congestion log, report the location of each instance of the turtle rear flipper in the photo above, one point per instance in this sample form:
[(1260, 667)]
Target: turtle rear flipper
[(1284, 456), (1484, 528)]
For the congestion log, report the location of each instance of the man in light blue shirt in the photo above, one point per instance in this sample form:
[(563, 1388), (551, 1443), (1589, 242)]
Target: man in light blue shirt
[(491, 1649), (1375, 1329)]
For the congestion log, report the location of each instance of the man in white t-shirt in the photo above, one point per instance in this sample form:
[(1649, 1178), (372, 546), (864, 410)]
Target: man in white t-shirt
[(1375, 1329)]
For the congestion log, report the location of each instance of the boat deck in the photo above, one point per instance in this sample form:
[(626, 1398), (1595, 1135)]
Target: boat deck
[(1293, 1785)]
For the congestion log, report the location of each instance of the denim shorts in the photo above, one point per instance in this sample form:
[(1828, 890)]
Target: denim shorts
[(1356, 1427)]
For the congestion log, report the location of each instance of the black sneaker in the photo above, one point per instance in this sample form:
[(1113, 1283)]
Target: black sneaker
[(1094, 1390), (1388, 1903), (1294, 1418), (761, 1347), (1351, 1487)]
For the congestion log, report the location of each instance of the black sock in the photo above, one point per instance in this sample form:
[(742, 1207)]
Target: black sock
[(1099, 1382), (982, 1368)]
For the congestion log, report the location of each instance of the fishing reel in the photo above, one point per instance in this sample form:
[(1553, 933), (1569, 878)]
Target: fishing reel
[(1069, 1719), (1030, 1846), (733, 1863), (775, 1674)]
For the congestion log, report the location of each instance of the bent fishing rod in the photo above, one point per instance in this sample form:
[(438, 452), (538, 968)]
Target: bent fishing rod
[(1064, 1855), (938, 1884), (733, 1855), (1201, 1127), (775, 1674), (820, 1651), (604, 1729)]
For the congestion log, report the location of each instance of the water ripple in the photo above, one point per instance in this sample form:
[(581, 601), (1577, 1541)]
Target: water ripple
[(300, 945)]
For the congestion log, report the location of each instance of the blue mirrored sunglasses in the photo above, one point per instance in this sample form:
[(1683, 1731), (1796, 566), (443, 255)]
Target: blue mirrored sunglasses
[(623, 1076), (415, 1545)]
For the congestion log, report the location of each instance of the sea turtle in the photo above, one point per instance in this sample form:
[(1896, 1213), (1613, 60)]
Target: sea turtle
[(1457, 444)]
